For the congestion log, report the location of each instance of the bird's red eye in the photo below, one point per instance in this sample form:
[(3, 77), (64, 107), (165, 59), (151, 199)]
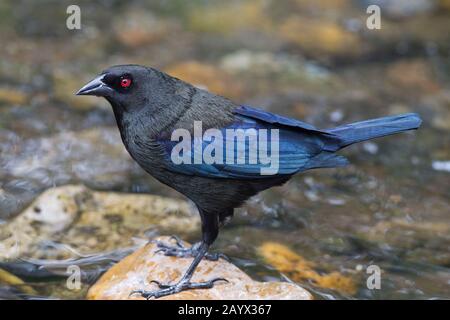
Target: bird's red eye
[(125, 82)]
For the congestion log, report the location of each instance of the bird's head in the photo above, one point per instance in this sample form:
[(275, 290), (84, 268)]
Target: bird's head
[(126, 87)]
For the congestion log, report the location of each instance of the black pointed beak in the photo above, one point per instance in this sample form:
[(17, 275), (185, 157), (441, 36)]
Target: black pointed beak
[(95, 87)]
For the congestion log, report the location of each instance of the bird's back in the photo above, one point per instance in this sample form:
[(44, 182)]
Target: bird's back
[(148, 136)]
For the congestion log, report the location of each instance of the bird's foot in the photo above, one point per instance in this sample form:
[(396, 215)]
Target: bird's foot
[(180, 250), (167, 289)]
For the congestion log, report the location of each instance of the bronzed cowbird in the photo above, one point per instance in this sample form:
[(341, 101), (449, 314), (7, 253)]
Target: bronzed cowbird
[(215, 152)]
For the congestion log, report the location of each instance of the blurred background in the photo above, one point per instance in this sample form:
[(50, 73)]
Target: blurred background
[(312, 60)]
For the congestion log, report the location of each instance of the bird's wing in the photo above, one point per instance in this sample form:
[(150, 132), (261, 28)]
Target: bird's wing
[(273, 118), (300, 147), (330, 141)]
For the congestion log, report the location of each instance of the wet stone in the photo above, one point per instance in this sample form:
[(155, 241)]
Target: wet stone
[(136, 271), (88, 221)]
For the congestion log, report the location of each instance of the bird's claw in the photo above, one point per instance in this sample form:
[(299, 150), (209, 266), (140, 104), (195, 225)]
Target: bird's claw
[(216, 256), (181, 251), (160, 285), (178, 241), (167, 289)]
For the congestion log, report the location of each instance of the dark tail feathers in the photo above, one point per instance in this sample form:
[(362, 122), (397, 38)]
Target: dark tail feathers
[(375, 128)]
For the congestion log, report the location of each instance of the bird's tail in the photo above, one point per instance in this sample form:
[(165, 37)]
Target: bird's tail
[(375, 128)]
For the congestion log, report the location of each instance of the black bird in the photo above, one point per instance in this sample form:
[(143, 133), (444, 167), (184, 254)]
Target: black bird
[(149, 106)]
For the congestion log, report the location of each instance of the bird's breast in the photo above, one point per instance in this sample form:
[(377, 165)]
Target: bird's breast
[(147, 152)]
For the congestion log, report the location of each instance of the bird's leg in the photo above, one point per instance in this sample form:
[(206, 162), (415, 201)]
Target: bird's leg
[(180, 250), (184, 283), (210, 230)]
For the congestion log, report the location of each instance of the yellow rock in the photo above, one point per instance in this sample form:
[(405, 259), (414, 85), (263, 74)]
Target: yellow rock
[(90, 221), (137, 270), (230, 17), (206, 76), (317, 36), (64, 87), (12, 280), (138, 28), (12, 96), (444, 4), (414, 75), (324, 4), (299, 269)]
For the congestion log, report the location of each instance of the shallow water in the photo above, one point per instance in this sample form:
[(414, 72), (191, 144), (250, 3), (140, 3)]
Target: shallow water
[(390, 208)]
